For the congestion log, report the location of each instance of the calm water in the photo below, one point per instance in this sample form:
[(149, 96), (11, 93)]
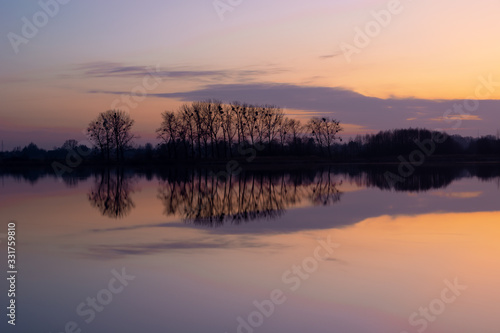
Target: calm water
[(318, 251)]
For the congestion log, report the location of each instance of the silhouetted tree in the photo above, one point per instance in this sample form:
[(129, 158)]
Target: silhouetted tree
[(70, 144), (170, 131), (111, 133), (211, 129), (324, 131)]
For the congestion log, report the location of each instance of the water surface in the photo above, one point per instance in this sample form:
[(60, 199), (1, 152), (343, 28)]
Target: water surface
[(202, 250)]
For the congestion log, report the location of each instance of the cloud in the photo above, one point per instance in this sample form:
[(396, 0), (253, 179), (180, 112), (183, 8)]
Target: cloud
[(143, 226), (123, 250), (329, 56), (458, 195), (119, 70), (350, 107), (458, 117), (346, 105)]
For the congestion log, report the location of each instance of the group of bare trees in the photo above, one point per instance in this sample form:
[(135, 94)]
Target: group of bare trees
[(212, 129)]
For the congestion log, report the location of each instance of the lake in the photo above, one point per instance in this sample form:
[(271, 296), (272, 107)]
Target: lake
[(332, 249)]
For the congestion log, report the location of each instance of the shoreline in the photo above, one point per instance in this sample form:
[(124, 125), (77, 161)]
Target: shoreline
[(261, 163)]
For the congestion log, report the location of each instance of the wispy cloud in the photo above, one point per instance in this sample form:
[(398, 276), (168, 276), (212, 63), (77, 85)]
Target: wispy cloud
[(119, 70), (458, 195), (123, 250), (458, 117), (330, 56)]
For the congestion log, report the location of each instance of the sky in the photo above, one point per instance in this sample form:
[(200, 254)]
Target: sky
[(373, 65)]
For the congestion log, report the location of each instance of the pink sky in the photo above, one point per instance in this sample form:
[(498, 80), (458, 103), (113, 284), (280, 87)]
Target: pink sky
[(413, 65)]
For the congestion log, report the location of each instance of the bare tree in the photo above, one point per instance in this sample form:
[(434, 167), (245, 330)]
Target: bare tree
[(111, 132), (273, 118), (250, 124), (229, 127), (284, 131), (99, 133), (70, 144), (296, 129), (169, 131), (188, 127), (324, 131), (121, 125), (238, 112)]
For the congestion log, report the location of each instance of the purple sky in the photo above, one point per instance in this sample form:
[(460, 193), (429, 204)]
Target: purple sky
[(371, 64)]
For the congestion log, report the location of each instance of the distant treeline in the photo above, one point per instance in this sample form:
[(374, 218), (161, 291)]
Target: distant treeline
[(406, 141), (214, 131), (382, 146)]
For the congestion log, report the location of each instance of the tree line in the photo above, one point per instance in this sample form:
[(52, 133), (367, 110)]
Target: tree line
[(212, 130), (405, 141)]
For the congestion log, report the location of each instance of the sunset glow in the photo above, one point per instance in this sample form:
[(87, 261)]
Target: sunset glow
[(90, 52)]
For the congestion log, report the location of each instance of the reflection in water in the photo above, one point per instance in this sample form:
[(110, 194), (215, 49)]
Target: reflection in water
[(111, 193), (396, 250), (199, 197), (421, 180), (203, 199)]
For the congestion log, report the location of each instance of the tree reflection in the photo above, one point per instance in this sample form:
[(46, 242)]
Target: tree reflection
[(202, 198), (199, 196), (110, 193), (423, 179)]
